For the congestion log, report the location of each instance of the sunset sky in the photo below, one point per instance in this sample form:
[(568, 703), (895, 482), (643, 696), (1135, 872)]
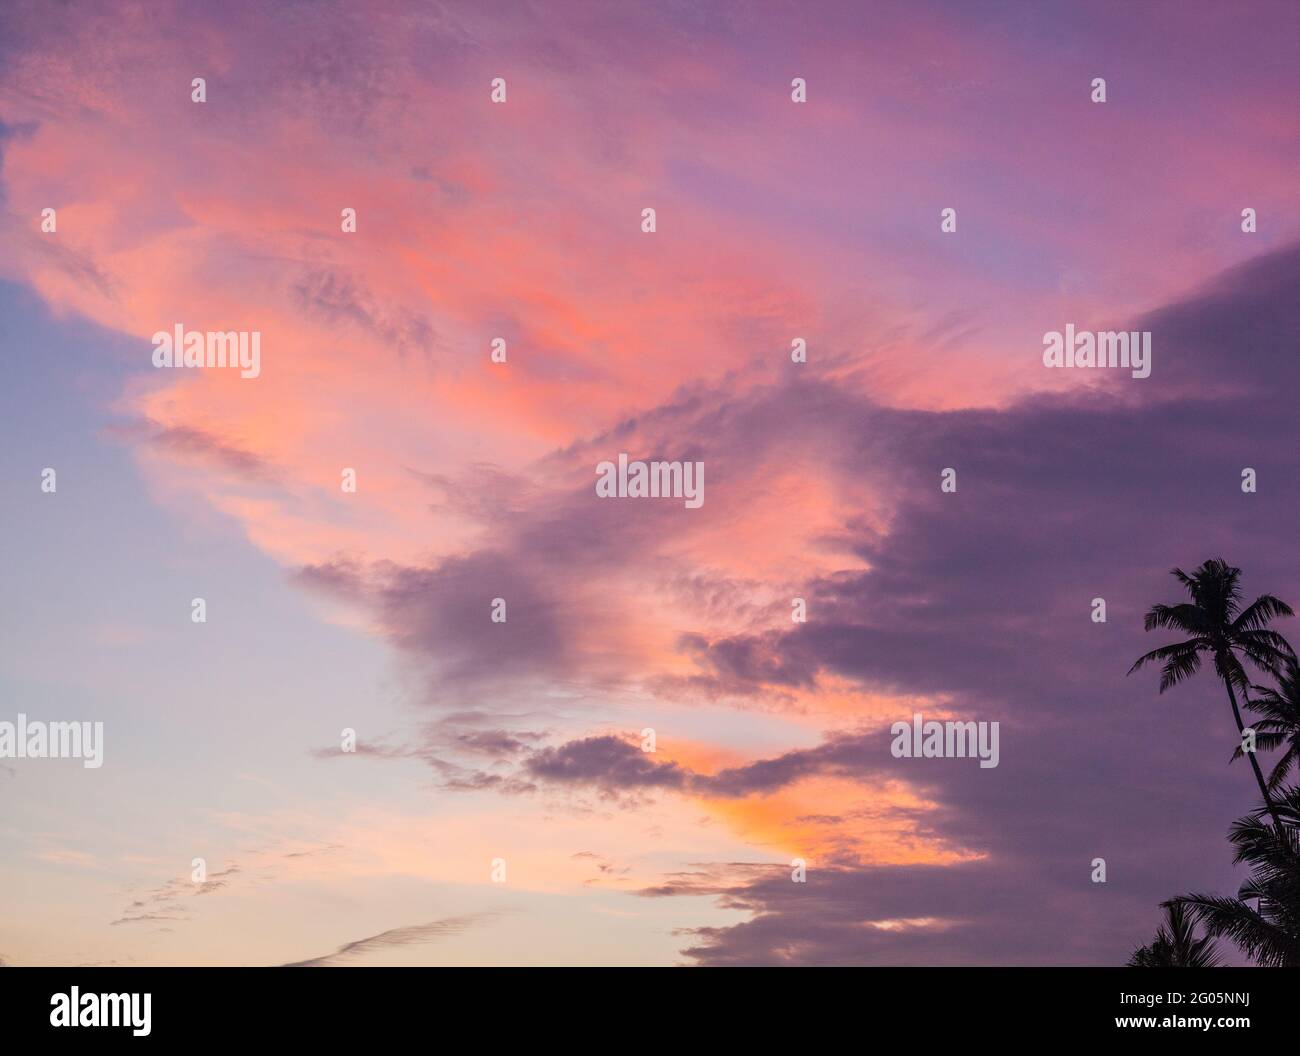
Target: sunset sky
[(522, 740)]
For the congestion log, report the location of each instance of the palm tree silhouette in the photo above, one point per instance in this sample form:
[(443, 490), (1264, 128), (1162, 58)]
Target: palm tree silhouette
[(1221, 628), (1176, 944), (1269, 930), (1280, 726)]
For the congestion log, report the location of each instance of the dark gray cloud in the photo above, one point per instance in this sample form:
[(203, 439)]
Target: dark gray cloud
[(605, 762), (906, 915), (442, 614), (614, 765)]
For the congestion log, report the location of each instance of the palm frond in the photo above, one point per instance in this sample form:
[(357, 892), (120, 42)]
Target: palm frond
[(1267, 650), (1176, 945), (1260, 612), (1182, 617), (1178, 652), (1232, 919), (1283, 767)]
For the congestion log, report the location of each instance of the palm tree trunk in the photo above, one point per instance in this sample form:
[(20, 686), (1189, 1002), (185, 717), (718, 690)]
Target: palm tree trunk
[(1254, 763)]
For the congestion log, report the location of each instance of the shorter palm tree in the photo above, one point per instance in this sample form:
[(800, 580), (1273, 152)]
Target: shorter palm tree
[(1280, 725), (1218, 627), (1264, 918), (1176, 945)]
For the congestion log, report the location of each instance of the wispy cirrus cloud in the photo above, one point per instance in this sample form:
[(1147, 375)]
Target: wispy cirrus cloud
[(411, 935), (192, 443), (166, 902)]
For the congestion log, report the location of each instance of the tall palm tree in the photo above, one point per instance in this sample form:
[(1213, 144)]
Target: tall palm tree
[(1176, 944), (1220, 628), (1280, 726), (1264, 918)]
